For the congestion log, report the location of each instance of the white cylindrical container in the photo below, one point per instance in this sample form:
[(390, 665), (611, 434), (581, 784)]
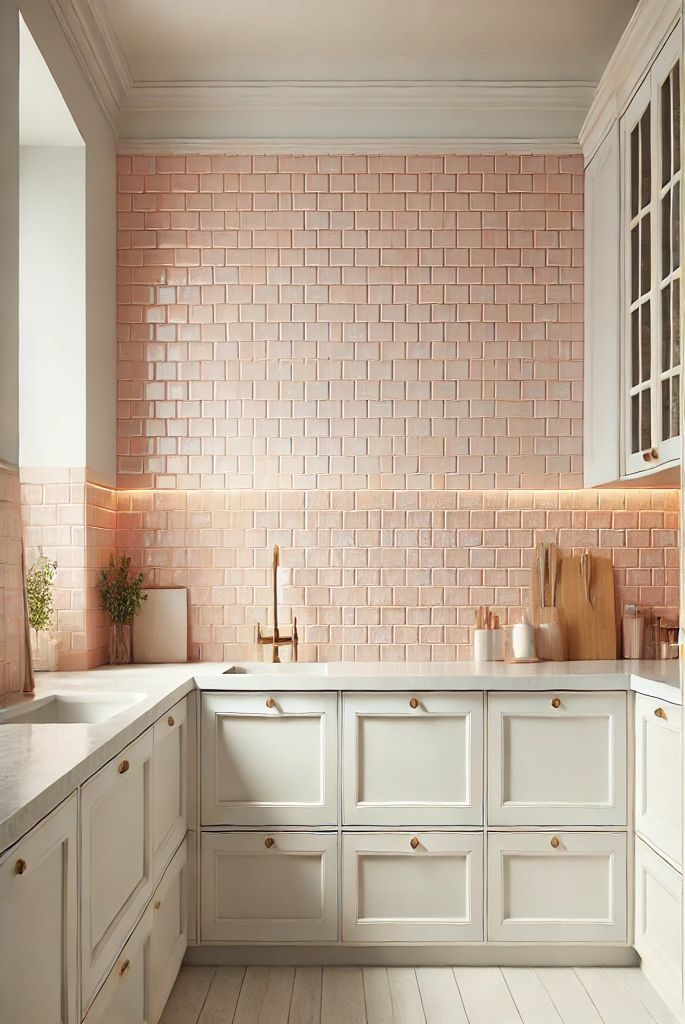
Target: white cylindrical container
[(523, 641), (482, 644), (497, 644)]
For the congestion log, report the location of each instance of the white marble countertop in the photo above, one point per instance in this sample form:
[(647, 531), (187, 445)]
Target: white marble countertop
[(41, 764)]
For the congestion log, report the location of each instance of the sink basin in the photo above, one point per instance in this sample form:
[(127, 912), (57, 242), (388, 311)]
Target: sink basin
[(67, 709), (291, 668)]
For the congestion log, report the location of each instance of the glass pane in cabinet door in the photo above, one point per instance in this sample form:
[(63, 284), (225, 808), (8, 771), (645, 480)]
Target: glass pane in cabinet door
[(675, 94), (635, 346), (645, 254), (666, 409), (646, 420), (635, 171), (675, 405), (675, 226), (666, 121), (645, 160), (666, 328), (666, 235), (645, 343), (635, 263), (635, 423), (675, 322)]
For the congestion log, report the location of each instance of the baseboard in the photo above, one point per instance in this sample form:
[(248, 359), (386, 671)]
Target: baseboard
[(490, 955)]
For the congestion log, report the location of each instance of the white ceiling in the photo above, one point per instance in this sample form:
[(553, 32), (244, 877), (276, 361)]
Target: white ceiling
[(44, 118), (248, 40)]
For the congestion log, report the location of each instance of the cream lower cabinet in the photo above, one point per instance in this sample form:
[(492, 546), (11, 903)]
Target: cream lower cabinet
[(557, 759), (658, 774), (269, 759), (658, 920), (116, 857), (413, 759), (557, 887), (125, 997), (269, 887), (412, 887), (38, 923), (170, 785), (169, 930)]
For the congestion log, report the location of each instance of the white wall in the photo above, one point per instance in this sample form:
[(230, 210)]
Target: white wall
[(100, 211), (52, 306)]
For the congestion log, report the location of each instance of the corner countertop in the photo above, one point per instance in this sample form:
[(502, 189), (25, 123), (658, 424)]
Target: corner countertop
[(41, 764)]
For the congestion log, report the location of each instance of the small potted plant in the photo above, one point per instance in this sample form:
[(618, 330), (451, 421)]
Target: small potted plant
[(41, 608), (121, 598)]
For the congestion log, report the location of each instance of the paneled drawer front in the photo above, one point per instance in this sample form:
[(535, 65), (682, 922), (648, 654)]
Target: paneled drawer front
[(557, 759), (658, 773), (658, 926), (169, 929), (412, 887), (116, 857), (269, 887), (557, 887), (125, 996), (413, 757), (170, 805), (269, 759), (38, 923)]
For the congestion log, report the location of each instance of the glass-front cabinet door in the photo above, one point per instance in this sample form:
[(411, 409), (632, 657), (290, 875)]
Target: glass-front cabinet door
[(651, 158)]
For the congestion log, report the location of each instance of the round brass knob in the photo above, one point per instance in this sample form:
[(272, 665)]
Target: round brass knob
[(158, 904), (270, 702), (413, 703), (170, 720), (660, 713), (124, 967), (555, 842), (556, 702), (650, 455), (269, 842), (20, 867), (414, 842), (123, 766)]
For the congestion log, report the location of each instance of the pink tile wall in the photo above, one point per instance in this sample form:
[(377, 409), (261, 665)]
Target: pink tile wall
[(350, 321), (75, 524), (384, 575), (12, 627)]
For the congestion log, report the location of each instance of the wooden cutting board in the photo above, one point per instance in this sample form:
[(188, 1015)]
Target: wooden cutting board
[(160, 632), (590, 627)]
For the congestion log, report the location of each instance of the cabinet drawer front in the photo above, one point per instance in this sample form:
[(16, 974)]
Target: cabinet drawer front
[(413, 757), (557, 759), (658, 771), (412, 887), (269, 887), (116, 860), (125, 995), (557, 887), (169, 929), (38, 925), (170, 780), (658, 901), (269, 759)]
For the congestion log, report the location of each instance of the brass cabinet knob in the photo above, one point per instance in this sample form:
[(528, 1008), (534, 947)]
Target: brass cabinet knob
[(660, 713), (123, 967), (270, 702), (170, 721), (414, 842), (413, 703), (556, 702), (269, 842), (555, 842), (651, 455), (123, 766), (158, 904), (20, 867)]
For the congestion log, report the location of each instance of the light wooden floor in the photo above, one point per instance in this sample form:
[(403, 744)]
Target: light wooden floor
[(407, 995)]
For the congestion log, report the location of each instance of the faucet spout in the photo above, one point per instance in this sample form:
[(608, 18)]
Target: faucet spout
[(276, 640)]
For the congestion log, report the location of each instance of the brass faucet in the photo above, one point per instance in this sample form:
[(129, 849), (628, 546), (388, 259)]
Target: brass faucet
[(276, 640)]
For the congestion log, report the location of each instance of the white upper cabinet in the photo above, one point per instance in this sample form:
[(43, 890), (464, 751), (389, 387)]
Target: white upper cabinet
[(632, 140), (602, 371), (651, 173)]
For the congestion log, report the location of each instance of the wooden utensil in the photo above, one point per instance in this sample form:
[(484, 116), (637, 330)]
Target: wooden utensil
[(542, 570), (553, 569), (586, 573)]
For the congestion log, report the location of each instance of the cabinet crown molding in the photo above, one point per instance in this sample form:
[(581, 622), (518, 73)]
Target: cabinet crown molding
[(642, 39)]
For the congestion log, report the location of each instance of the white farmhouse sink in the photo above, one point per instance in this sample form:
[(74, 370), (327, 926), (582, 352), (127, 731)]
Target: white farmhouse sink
[(66, 709)]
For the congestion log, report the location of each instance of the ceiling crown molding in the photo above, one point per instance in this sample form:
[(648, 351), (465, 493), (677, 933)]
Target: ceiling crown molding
[(371, 146), (645, 33), (87, 27)]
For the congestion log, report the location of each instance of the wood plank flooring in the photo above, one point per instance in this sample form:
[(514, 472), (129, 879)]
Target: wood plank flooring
[(405, 995)]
